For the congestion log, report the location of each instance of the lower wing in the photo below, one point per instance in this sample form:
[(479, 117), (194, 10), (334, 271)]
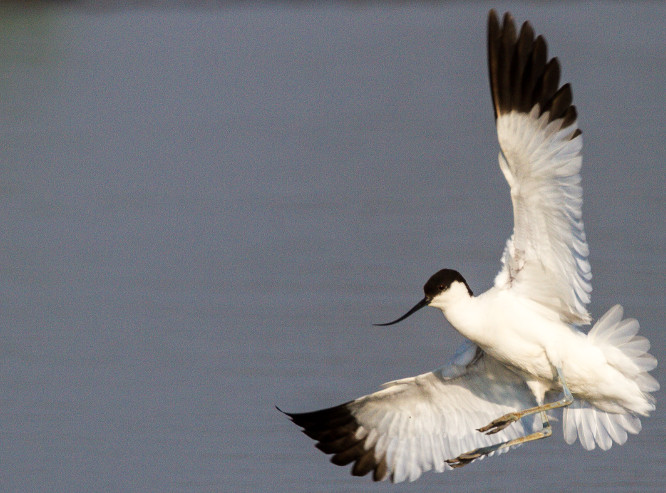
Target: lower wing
[(415, 424)]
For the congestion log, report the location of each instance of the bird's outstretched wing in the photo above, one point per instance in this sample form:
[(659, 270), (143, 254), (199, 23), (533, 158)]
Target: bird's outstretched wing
[(415, 424), (546, 258)]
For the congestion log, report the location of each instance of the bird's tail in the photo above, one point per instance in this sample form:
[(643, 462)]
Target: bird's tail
[(628, 353)]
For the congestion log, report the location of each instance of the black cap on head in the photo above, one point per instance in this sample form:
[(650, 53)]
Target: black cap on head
[(438, 283), (441, 281)]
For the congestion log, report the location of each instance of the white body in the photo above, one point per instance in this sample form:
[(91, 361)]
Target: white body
[(530, 338), (524, 330)]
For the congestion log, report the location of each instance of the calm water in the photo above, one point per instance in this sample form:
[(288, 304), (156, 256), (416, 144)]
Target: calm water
[(204, 210)]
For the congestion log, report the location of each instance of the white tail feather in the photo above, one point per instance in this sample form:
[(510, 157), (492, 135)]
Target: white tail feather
[(625, 350), (595, 427), (628, 353)]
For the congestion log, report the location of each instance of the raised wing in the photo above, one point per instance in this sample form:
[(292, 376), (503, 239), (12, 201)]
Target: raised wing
[(415, 424), (546, 258)]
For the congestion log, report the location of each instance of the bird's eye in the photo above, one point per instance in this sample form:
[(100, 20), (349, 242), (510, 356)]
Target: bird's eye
[(441, 287)]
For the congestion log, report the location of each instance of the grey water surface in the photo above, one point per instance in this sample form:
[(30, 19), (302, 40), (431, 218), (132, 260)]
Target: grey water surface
[(205, 207)]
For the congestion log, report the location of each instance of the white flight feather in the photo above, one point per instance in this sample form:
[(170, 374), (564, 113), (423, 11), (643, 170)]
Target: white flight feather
[(546, 258), (418, 423)]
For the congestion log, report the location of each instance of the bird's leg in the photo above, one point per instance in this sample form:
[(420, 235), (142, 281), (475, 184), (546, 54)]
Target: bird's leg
[(466, 458), (500, 423)]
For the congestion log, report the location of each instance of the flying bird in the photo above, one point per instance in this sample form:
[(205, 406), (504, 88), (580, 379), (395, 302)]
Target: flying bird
[(525, 353)]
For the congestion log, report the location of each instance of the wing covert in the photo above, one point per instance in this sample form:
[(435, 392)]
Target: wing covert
[(415, 424), (546, 258)]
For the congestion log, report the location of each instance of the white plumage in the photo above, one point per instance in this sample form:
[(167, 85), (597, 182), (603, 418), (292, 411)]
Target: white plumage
[(546, 258), (432, 417), (525, 353)]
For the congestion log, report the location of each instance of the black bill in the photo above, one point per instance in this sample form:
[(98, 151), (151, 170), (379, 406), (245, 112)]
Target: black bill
[(417, 307)]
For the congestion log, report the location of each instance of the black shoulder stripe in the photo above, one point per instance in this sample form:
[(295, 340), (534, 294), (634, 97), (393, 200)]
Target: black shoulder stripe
[(521, 75)]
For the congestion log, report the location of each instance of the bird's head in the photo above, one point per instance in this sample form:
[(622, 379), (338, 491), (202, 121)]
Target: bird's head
[(443, 288)]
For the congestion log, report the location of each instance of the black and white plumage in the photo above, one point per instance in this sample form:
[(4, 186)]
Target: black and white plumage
[(413, 425), (540, 143), (524, 348)]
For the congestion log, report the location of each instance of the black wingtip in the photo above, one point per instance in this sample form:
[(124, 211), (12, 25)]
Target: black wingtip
[(335, 431), (288, 415), (521, 76)]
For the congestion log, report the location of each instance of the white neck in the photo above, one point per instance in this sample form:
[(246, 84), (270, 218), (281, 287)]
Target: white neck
[(461, 310)]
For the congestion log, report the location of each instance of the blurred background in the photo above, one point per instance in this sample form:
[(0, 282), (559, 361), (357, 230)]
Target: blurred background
[(205, 206)]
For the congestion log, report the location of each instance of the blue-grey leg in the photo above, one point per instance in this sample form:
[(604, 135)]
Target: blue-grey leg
[(466, 458), (501, 423)]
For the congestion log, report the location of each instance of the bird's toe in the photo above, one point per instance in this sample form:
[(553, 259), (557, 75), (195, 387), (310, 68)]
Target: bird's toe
[(464, 459), (499, 424)]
